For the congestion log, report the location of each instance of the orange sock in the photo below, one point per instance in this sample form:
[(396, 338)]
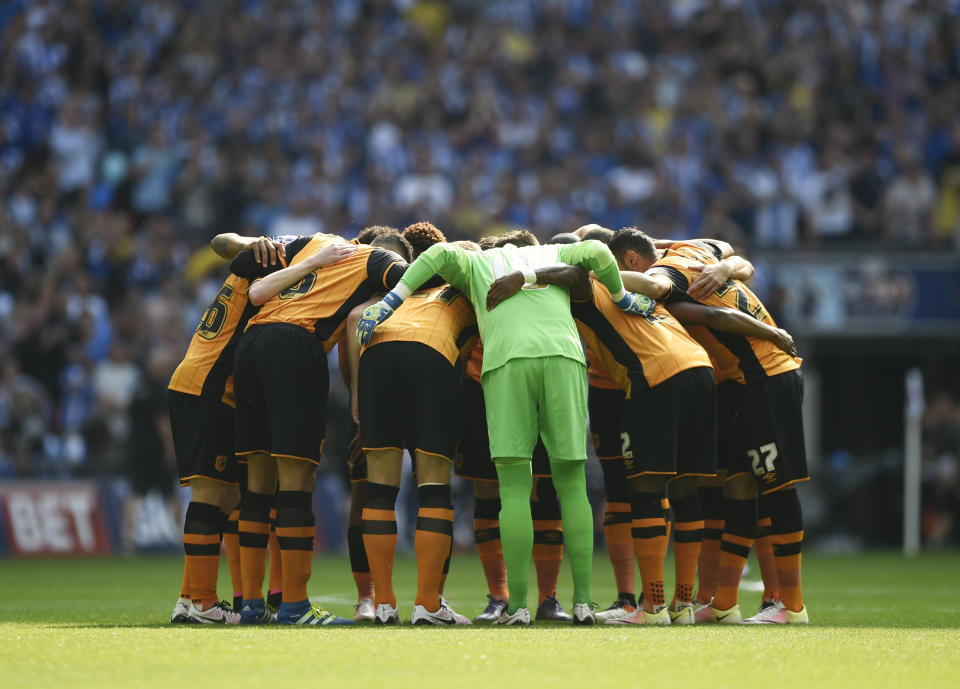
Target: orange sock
[(708, 565), (432, 542), (547, 555), (738, 536), (254, 531), (185, 583), (787, 549), (295, 527), (687, 535), (616, 532), (380, 538), (273, 552), (486, 530), (712, 508), (649, 531), (231, 543), (201, 544), (786, 518), (358, 562), (446, 567), (768, 563)]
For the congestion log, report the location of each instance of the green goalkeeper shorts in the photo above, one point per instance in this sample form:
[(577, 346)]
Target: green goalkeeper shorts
[(545, 396)]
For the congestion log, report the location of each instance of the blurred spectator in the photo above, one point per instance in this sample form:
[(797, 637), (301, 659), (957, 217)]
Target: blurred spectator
[(130, 133)]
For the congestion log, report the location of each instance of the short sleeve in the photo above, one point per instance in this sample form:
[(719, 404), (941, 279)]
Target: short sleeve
[(384, 269)]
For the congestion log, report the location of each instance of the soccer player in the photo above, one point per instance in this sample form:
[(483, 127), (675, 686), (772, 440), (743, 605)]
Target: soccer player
[(769, 456), (534, 382), (474, 463), (408, 395), (201, 402), (390, 239), (281, 384)]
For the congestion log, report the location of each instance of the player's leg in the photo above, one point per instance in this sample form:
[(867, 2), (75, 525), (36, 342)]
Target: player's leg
[(650, 415), (486, 532), (696, 458), (710, 491), (253, 438), (384, 469), (563, 427), (516, 529), (765, 557), (433, 539), (432, 388), (547, 538), (511, 393), (606, 408), (203, 439), (359, 565), (739, 532), (474, 463), (231, 540), (229, 514), (777, 457), (201, 539), (254, 533)]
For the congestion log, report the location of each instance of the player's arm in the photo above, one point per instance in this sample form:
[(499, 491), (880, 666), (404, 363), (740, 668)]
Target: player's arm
[(720, 248), (267, 287), (595, 256), (654, 286), (266, 252), (574, 278), (731, 321), (353, 357), (446, 260), (713, 276)]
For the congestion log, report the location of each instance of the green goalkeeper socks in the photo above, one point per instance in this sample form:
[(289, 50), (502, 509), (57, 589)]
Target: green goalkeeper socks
[(571, 483), (516, 525)]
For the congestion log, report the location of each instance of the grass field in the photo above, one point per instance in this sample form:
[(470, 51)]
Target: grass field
[(879, 621)]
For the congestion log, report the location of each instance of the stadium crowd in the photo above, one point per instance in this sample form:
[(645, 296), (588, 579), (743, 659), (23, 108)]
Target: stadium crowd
[(130, 133)]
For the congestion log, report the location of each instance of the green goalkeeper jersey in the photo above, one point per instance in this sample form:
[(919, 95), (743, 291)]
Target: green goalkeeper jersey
[(536, 322)]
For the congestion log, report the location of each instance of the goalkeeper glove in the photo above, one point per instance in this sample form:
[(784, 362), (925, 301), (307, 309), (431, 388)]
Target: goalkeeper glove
[(376, 314), (637, 304)]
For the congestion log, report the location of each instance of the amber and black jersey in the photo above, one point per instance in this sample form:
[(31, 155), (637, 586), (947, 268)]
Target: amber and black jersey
[(322, 300), (440, 317), (737, 357), (597, 376), (207, 367), (638, 353)]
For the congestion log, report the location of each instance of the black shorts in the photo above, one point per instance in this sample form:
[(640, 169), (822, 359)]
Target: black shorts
[(671, 429), (770, 432), (409, 398), (473, 454), (729, 398), (202, 438), (606, 410), (281, 381)]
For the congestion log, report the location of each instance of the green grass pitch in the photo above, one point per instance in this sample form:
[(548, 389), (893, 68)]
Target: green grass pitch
[(879, 621)]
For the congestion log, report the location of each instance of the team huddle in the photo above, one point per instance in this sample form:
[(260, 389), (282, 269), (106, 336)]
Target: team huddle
[(491, 360)]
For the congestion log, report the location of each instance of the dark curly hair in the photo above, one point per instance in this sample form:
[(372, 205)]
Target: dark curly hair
[(519, 237), (368, 234), (422, 235)]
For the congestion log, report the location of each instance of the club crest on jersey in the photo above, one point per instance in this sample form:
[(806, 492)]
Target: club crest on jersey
[(221, 463)]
